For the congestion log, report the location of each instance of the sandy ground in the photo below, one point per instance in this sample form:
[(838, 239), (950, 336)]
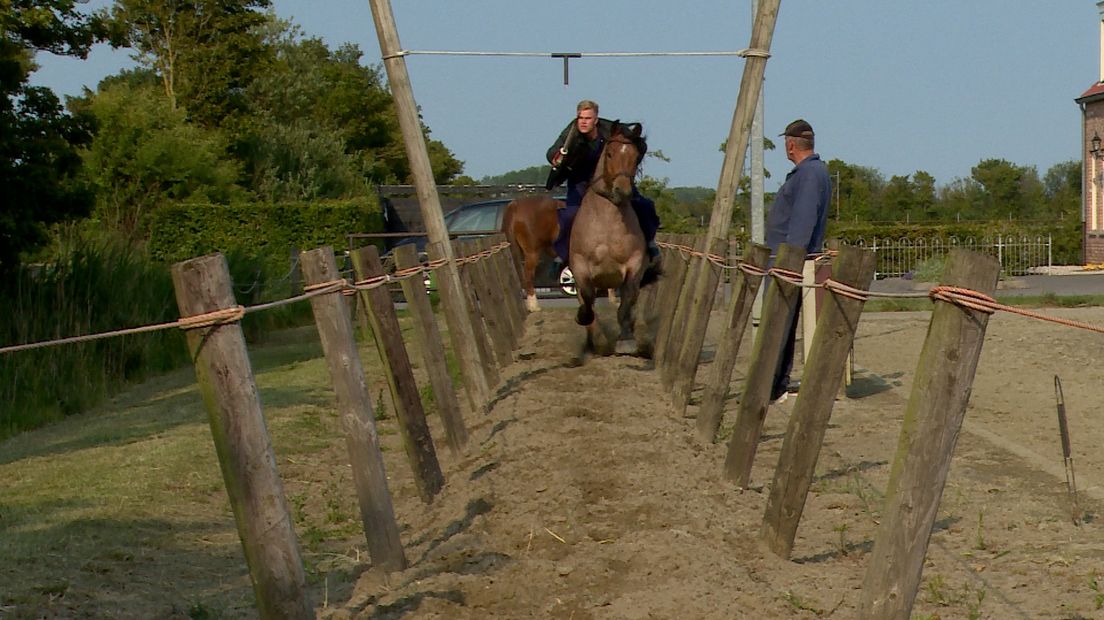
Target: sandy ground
[(582, 496)]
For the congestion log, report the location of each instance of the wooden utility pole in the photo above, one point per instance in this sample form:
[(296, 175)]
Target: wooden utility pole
[(242, 444), (933, 419), (452, 296), (751, 85)]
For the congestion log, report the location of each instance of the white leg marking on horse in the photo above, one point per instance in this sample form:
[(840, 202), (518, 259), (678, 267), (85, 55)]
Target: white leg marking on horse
[(531, 302)]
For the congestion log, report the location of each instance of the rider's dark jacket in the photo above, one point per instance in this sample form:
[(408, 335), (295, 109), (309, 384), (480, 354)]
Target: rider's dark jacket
[(577, 166)]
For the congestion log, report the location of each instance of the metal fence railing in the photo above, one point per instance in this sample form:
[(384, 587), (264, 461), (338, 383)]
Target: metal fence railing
[(902, 257)]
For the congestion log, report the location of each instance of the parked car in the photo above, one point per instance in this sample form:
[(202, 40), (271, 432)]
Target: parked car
[(485, 218)]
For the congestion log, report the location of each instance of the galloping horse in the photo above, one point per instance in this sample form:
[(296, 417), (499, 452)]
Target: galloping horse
[(607, 247), (531, 225)]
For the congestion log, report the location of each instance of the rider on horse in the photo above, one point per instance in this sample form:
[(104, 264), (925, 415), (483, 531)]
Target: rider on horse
[(574, 158)]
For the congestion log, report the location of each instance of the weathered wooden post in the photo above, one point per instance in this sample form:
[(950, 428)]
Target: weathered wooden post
[(475, 374), (400, 376), (778, 312), (933, 419), (242, 444), (685, 364), (498, 274), (676, 302), (823, 374), (744, 289), (428, 337), (354, 405), (513, 278), (493, 310), (476, 318)]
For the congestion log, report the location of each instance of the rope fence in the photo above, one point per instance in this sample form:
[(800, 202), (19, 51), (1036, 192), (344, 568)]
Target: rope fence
[(960, 297), (231, 315)]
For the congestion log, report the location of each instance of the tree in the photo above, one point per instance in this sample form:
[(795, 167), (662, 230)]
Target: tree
[(923, 187), (146, 155), (1062, 189), (323, 92), (39, 164), (206, 52), (1008, 190)]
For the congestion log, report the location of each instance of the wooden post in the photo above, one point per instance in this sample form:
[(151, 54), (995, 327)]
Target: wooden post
[(241, 439), (833, 336), (778, 311), (933, 419), (354, 405), (685, 365), (674, 268), (452, 295), (491, 306), (474, 374), (744, 289), (498, 273), (400, 376), (667, 349), (428, 337), (476, 320)]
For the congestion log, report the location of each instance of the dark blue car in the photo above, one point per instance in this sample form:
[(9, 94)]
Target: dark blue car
[(485, 218)]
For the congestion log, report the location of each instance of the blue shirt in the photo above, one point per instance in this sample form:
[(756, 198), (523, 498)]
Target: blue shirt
[(799, 213)]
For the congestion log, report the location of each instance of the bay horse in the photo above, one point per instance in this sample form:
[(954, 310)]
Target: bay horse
[(607, 248), (531, 226)]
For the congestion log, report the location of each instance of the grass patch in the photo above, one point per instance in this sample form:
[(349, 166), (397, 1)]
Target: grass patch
[(121, 511)]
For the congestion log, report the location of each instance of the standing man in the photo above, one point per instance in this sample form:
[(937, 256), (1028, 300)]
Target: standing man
[(798, 217), (574, 157)]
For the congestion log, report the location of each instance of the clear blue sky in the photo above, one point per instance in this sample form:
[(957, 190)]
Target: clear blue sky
[(935, 85)]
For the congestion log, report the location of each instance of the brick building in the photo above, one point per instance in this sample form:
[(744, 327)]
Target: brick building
[(1092, 154)]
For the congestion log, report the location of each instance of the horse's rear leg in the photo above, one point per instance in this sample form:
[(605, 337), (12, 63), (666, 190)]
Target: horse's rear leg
[(531, 260)]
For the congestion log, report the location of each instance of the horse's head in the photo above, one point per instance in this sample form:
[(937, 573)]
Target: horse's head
[(621, 157)]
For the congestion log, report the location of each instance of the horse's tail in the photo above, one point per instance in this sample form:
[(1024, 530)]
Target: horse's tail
[(508, 222)]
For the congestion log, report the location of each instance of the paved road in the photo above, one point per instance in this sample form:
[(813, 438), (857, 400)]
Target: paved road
[(1083, 283)]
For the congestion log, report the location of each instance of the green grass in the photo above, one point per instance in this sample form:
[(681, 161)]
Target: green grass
[(122, 512), (1049, 300)]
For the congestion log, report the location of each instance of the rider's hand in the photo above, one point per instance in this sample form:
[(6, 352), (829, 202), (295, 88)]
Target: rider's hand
[(557, 158)]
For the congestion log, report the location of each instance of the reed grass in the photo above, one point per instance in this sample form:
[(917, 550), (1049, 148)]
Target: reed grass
[(95, 285)]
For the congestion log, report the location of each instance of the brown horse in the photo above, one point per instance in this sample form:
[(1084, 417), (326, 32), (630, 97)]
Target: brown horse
[(607, 247), (531, 225)]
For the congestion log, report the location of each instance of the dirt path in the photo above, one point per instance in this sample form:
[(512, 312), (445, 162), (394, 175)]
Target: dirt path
[(583, 497)]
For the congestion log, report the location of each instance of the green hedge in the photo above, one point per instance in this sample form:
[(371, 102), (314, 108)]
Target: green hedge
[(267, 231)]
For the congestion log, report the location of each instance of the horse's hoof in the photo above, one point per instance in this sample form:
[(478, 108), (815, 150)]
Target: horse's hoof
[(626, 347), (531, 303), (585, 316)]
